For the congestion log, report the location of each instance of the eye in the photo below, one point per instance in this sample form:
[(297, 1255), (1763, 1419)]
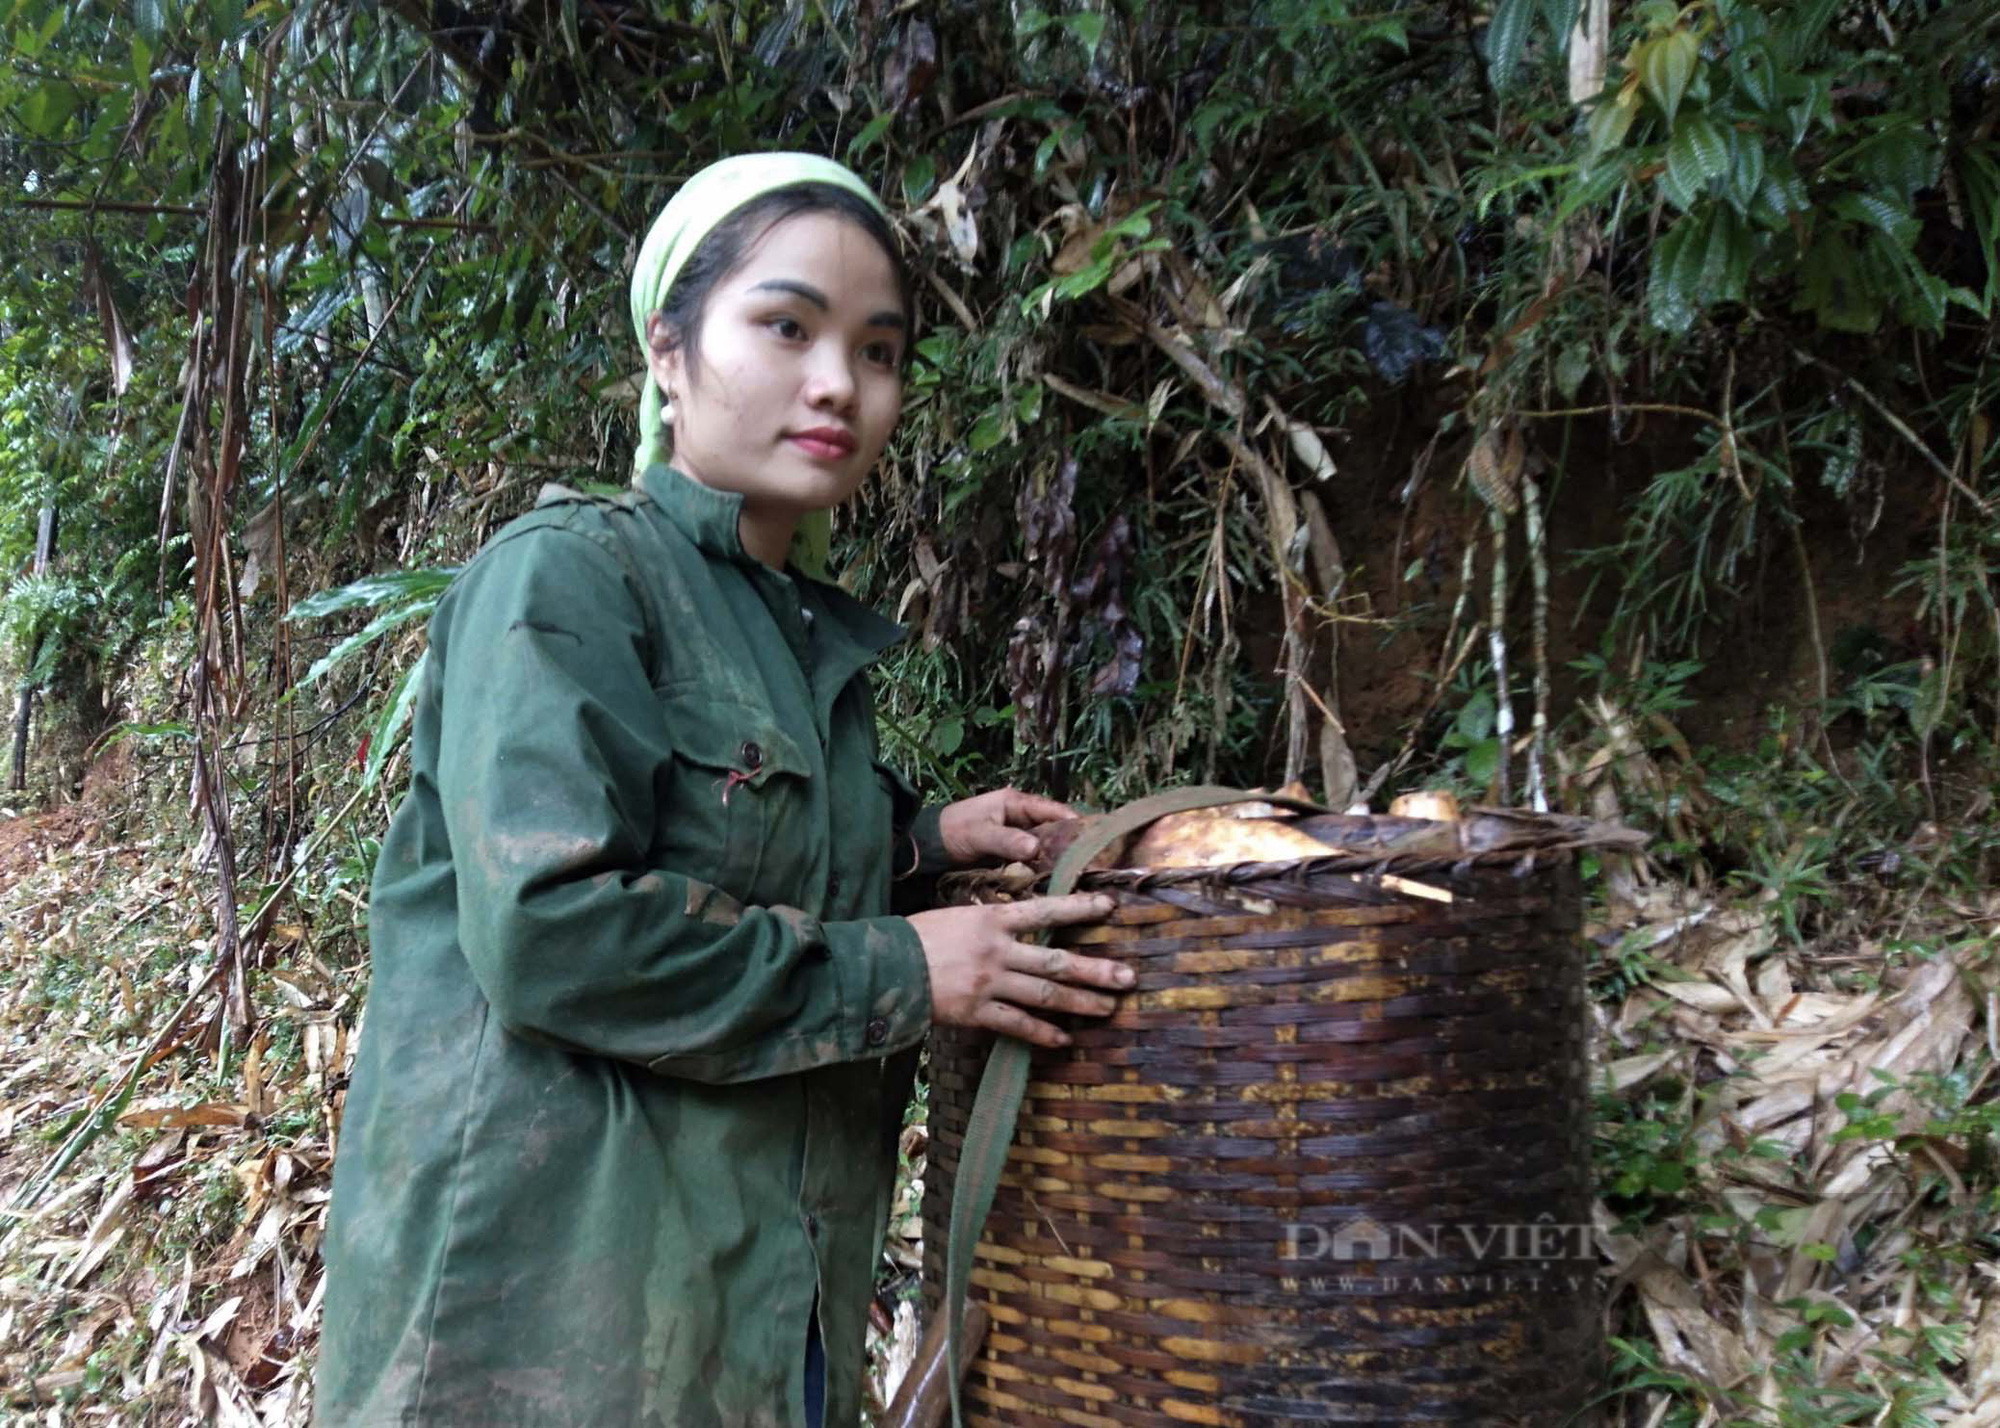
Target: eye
[(788, 328), (882, 353)]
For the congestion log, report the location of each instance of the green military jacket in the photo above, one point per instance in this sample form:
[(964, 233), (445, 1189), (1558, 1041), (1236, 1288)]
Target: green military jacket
[(640, 1027)]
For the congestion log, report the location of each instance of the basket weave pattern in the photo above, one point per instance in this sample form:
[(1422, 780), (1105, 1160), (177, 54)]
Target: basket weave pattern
[(1296, 1178)]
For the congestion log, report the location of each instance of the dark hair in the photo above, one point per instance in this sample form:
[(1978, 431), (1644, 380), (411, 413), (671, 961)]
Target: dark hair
[(726, 246)]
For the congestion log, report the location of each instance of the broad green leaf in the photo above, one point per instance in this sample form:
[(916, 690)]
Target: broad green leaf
[(1671, 302), (389, 587), (142, 61), (1755, 75), (1611, 120), (870, 133), (388, 620), (32, 42), (1725, 268), (1028, 406), (149, 18), (1746, 167), (49, 107), (1697, 154), (172, 730), (1087, 26), (1561, 16), (402, 699), (1979, 178), (1660, 15), (1666, 65), (1833, 288), (1902, 159), (990, 430), (1886, 218), (1475, 720), (918, 176), (1572, 369), (1798, 37), (947, 735), (1782, 194), (1394, 29), (301, 327), (1507, 38), (1482, 761), (1032, 22)]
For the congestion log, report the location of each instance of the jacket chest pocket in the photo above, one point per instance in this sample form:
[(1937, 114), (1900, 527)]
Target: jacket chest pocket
[(739, 809)]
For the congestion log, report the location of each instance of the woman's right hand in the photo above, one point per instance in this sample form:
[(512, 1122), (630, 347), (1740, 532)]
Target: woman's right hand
[(982, 975)]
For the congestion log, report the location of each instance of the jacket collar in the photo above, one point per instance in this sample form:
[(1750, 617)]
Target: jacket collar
[(709, 518), (704, 515)]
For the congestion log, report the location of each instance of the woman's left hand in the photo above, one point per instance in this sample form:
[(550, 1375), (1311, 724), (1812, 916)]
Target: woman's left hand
[(993, 826)]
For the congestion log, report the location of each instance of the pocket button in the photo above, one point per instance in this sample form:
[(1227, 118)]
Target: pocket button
[(877, 1032), (753, 754)]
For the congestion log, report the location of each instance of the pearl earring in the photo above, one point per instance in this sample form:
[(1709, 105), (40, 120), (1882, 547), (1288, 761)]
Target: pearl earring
[(667, 407)]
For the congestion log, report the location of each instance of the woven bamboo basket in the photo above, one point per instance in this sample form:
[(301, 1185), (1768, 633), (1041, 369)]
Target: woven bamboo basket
[(1329, 1162)]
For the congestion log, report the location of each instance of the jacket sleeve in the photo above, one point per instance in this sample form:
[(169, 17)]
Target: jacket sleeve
[(551, 746)]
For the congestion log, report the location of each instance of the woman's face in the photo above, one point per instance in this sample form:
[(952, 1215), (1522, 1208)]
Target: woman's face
[(799, 380)]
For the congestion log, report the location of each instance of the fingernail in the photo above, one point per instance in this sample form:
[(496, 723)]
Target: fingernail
[(1126, 976)]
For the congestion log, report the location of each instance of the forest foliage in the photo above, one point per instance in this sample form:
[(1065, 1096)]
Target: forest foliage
[(1379, 394)]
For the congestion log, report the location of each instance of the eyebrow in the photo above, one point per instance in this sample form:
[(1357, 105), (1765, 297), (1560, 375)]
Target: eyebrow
[(813, 295)]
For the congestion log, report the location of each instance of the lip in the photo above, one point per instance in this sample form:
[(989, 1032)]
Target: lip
[(828, 443)]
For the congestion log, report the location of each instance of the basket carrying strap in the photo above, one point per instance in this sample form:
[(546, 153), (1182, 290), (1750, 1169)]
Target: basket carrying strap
[(990, 1128)]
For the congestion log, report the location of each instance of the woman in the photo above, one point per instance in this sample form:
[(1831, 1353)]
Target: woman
[(621, 1134)]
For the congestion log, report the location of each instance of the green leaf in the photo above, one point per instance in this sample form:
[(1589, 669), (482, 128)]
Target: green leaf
[(32, 42), (1697, 154), (1610, 121), (1782, 194), (1506, 38), (1756, 76), (1902, 159), (918, 176), (1668, 1177), (870, 133), (402, 699), (1660, 15), (149, 18), (1572, 369), (389, 587), (1028, 406), (1088, 26), (301, 327), (947, 735), (1482, 761), (1746, 168), (49, 107), (1672, 300), (1475, 720), (142, 61), (381, 625), (1979, 178), (1725, 265), (1833, 288), (1032, 23), (1665, 66), (1884, 217), (990, 430), (1561, 16)]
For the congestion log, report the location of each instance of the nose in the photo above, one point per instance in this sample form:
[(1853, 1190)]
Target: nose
[(830, 380)]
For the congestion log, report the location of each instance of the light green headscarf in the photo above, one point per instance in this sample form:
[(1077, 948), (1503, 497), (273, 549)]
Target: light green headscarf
[(690, 215)]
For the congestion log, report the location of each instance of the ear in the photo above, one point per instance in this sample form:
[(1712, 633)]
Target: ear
[(663, 359)]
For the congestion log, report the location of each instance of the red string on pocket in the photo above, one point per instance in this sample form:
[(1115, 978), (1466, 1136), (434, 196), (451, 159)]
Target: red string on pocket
[(730, 782)]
